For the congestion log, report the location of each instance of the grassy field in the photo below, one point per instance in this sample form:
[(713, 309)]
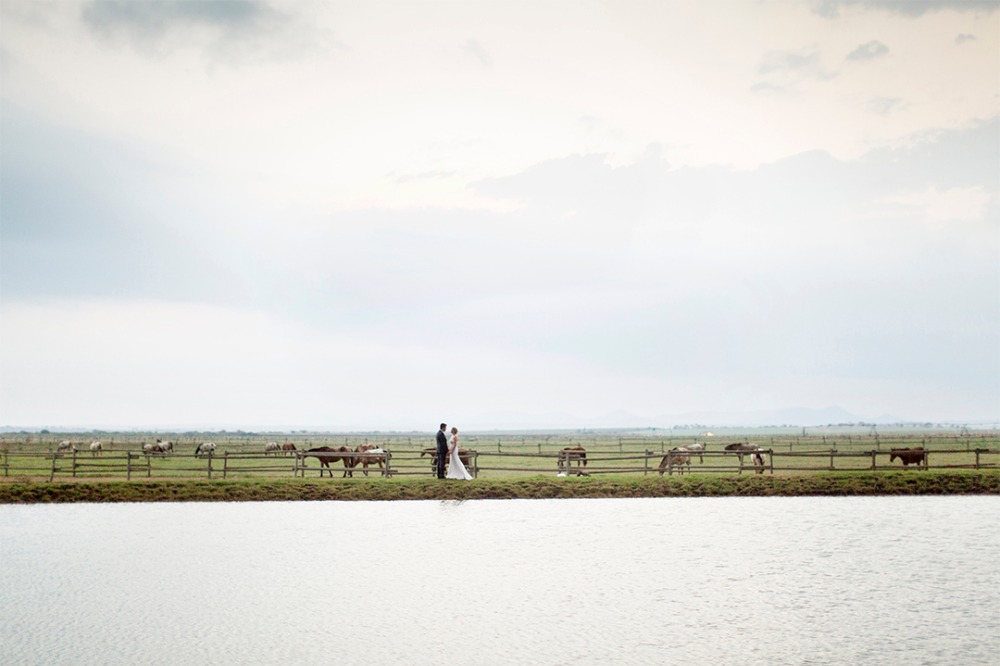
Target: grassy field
[(694, 485), (496, 457)]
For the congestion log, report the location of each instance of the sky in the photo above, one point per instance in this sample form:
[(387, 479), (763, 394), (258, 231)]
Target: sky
[(384, 215)]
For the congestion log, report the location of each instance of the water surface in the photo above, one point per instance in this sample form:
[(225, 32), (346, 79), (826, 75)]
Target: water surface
[(872, 580)]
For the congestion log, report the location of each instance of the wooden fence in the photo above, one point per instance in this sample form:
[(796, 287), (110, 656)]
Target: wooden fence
[(245, 464)]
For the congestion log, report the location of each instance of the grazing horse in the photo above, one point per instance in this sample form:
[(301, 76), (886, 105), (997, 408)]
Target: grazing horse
[(755, 452), (272, 447), (916, 455), (96, 448), (287, 447), (697, 448), (207, 448), (677, 457), (326, 454), (463, 455), (370, 454), (165, 447), (570, 454), (65, 445), (152, 448)]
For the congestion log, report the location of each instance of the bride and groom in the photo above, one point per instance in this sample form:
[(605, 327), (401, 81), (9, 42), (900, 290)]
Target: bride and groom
[(448, 451)]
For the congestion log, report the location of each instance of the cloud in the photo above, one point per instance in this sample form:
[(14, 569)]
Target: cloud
[(868, 51), (474, 49), (885, 105), (230, 31), (964, 37), (153, 19), (950, 205), (783, 70), (806, 61), (831, 8)]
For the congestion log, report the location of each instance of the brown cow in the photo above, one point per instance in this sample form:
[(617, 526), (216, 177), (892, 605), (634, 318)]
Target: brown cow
[(327, 454), (915, 455), (570, 454)]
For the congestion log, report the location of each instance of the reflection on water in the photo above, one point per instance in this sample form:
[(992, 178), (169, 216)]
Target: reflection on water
[(868, 580)]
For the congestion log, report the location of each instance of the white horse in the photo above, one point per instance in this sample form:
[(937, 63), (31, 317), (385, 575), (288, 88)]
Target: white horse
[(96, 448), (206, 448), (165, 447), (65, 445), (698, 448), (272, 447)]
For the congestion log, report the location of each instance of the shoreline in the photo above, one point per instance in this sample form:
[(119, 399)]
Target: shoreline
[(913, 482)]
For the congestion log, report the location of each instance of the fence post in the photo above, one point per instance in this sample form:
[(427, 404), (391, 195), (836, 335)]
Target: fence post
[(225, 463), (53, 474), (770, 456), (475, 464), (128, 465), (210, 464), (645, 463), (873, 460), (832, 451), (977, 458)]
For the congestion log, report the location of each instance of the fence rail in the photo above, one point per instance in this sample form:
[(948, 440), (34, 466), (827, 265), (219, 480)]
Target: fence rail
[(247, 464)]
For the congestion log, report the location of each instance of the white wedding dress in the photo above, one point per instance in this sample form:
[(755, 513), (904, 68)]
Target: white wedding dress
[(456, 470)]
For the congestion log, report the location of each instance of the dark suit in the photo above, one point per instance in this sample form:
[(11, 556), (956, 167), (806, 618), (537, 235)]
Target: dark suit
[(442, 446)]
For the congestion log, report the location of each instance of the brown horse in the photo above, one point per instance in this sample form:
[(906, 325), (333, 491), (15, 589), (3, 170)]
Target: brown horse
[(755, 452), (463, 455), (328, 454), (916, 455), (570, 454), (370, 454), (287, 447), (677, 457)]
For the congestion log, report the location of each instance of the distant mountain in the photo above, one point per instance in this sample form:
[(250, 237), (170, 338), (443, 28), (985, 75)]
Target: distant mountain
[(796, 416), (792, 416)]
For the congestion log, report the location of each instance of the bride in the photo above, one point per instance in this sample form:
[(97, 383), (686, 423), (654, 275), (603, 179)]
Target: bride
[(456, 470)]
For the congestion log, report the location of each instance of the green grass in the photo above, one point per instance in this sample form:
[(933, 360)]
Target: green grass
[(695, 485), (498, 459)]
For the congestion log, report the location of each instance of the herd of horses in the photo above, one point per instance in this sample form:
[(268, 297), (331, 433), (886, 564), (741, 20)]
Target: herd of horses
[(679, 458), (571, 459), (363, 454)]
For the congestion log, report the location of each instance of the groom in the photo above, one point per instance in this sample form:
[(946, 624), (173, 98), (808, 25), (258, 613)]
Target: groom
[(442, 449)]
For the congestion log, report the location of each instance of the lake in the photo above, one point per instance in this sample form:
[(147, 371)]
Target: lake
[(850, 580)]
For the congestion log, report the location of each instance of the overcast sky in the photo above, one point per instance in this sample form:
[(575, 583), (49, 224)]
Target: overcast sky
[(382, 215)]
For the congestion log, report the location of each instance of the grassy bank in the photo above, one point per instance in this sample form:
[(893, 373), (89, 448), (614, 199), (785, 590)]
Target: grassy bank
[(879, 483)]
